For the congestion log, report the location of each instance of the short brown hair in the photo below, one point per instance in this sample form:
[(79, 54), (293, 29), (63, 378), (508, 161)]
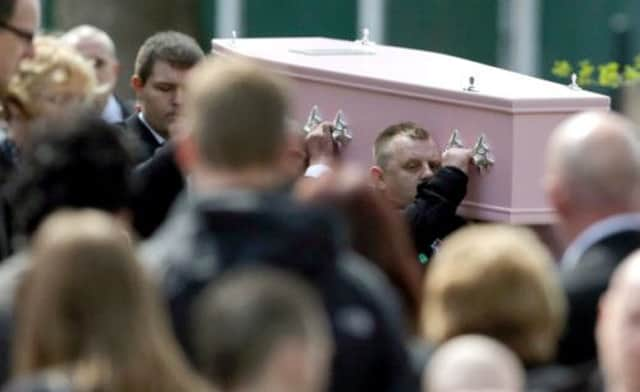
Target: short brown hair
[(381, 152), (237, 111), (177, 49), (253, 310), (499, 281)]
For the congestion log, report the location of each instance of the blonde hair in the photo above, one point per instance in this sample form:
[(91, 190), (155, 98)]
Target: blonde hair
[(499, 281), (87, 307), (54, 64)]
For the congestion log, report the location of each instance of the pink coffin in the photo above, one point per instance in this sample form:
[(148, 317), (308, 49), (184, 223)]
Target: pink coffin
[(376, 86)]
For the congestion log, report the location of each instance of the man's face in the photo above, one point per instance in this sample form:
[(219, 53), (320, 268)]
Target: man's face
[(104, 63), (410, 161), (160, 97), (618, 335), (13, 45)]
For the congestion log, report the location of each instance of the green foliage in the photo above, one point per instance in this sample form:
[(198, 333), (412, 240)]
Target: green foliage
[(562, 69), (585, 73), (609, 75)]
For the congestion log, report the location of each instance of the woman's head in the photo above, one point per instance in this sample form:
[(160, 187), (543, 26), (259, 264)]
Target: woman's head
[(86, 305), (54, 81), (498, 281)]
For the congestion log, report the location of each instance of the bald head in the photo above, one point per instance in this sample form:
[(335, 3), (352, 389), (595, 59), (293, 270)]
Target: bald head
[(97, 47), (618, 331), (473, 363), (595, 158), (90, 35)]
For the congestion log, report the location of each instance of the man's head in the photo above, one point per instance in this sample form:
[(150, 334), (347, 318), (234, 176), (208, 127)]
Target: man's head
[(618, 328), (236, 113), (473, 363), (161, 65), (96, 45), (271, 333), (18, 22), (404, 154), (592, 169)]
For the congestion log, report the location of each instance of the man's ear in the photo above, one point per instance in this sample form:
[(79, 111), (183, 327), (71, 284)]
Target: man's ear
[(136, 83), (558, 196), (377, 177), (186, 153)]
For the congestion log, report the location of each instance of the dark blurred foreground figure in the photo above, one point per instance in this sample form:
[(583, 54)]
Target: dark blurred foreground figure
[(237, 214), (592, 180), (88, 320), (79, 163), (262, 330)]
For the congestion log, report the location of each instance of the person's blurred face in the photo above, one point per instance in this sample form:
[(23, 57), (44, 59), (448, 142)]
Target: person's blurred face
[(410, 162), (16, 45), (104, 63), (160, 97), (618, 335)]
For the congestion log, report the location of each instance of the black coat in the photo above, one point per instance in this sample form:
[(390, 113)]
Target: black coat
[(144, 143), (584, 285), (157, 183), (203, 238), (432, 215)]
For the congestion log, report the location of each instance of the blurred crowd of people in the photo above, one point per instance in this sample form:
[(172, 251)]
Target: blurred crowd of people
[(200, 240)]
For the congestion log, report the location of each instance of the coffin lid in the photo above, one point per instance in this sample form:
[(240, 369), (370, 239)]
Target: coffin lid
[(410, 72)]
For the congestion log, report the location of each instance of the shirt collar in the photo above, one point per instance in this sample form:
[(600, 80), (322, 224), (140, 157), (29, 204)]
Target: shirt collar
[(596, 232), (112, 112), (155, 134)]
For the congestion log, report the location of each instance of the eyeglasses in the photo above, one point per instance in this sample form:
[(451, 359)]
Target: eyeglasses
[(20, 33)]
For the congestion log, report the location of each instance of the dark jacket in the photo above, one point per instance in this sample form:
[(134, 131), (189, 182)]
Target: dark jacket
[(203, 238), (144, 143), (432, 215), (156, 183), (584, 285)]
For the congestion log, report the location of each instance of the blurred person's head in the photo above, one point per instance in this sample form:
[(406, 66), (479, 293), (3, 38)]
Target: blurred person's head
[(77, 163), (53, 83), (236, 116), (262, 330), (473, 363), (19, 20), (87, 307), (96, 46), (405, 154), (618, 330), (499, 281), (592, 169), (161, 65)]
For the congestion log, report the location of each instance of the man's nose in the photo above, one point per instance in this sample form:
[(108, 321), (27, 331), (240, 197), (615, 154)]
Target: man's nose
[(426, 171), (177, 97)]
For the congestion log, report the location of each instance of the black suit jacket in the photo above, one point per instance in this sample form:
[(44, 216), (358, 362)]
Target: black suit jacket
[(584, 285), (157, 183), (144, 141)]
